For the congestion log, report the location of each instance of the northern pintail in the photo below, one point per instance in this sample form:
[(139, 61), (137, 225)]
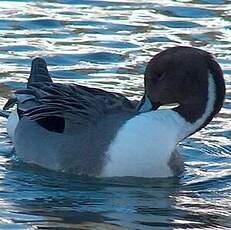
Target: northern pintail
[(89, 131)]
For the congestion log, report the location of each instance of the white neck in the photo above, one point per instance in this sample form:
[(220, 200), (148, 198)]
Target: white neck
[(190, 128), (144, 144)]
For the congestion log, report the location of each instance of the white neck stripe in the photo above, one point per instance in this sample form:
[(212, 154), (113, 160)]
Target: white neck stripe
[(191, 127)]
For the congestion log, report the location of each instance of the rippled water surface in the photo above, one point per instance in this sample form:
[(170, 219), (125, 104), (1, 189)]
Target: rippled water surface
[(106, 44)]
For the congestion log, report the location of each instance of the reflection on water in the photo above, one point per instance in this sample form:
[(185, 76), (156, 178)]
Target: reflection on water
[(106, 44)]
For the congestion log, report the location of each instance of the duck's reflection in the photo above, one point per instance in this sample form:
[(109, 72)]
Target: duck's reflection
[(53, 200), (50, 200)]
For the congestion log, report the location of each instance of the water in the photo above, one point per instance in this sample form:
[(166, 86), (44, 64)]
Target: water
[(106, 44)]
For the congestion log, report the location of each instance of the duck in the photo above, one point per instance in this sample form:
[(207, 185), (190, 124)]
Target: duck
[(76, 129)]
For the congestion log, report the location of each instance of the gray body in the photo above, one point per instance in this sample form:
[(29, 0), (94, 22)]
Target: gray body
[(69, 128)]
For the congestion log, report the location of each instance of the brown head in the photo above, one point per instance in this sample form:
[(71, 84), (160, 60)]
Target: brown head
[(181, 75)]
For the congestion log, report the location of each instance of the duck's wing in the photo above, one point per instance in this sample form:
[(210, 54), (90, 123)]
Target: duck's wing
[(50, 103), (54, 99)]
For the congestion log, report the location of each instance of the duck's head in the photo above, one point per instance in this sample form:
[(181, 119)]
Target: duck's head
[(188, 76)]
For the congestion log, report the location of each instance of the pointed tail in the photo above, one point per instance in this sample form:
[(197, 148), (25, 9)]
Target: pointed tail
[(39, 71)]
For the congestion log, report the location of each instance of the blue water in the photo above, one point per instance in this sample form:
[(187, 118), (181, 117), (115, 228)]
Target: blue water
[(106, 44)]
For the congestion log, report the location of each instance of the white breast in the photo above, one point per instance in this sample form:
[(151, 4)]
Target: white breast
[(144, 144)]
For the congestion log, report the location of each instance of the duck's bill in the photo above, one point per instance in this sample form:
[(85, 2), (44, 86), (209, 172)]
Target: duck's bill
[(169, 106), (146, 105)]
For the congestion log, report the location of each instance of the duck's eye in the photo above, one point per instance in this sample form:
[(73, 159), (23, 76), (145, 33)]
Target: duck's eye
[(160, 76)]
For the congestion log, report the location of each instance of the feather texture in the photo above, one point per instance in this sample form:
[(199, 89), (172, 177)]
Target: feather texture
[(46, 99)]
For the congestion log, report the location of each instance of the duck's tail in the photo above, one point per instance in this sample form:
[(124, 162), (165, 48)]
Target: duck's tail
[(39, 71)]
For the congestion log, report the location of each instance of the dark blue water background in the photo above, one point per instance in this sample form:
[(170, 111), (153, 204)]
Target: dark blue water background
[(106, 44)]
